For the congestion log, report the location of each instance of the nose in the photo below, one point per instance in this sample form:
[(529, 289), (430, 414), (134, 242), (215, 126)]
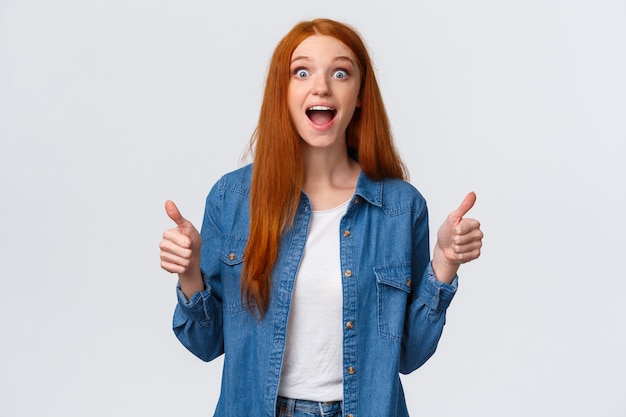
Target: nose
[(321, 86)]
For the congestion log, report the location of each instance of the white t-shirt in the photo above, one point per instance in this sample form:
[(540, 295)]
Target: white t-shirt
[(312, 366)]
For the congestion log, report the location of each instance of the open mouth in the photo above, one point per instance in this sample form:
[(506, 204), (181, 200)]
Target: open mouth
[(321, 115)]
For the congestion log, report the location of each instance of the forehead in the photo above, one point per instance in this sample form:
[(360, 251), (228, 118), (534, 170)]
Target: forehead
[(322, 46)]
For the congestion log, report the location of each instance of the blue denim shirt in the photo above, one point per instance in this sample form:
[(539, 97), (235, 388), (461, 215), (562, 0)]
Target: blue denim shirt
[(393, 306)]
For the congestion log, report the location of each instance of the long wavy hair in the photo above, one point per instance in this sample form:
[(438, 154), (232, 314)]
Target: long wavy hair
[(278, 170)]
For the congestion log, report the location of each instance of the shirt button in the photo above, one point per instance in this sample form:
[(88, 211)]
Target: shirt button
[(348, 273), (350, 415), (408, 282), (349, 325), (346, 233), (231, 256), (356, 200), (351, 370)]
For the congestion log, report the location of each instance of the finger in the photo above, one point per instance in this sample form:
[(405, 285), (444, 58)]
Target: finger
[(174, 214), (171, 246), (170, 258), (177, 237), (172, 267), (465, 226), (475, 235), (467, 256), (466, 205), (468, 247)]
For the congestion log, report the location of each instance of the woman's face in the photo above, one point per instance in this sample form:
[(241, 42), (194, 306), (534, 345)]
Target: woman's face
[(323, 90)]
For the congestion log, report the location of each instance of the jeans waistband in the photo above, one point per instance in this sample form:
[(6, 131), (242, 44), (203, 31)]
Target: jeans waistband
[(325, 408)]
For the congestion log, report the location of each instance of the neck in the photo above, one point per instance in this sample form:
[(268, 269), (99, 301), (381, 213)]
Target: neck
[(330, 177)]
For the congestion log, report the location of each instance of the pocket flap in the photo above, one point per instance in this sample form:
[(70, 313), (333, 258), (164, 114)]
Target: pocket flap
[(231, 252), (395, 275)]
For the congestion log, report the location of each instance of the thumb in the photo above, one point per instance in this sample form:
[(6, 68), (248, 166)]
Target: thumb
[(174, 214), (466, 205)]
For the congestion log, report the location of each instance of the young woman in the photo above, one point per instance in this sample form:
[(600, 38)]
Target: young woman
[(312, 271)]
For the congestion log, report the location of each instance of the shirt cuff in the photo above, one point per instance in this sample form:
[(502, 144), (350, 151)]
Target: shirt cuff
[(435, 294), (194, 307)]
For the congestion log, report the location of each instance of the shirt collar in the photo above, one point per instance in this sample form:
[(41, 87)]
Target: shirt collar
[(370, 189)]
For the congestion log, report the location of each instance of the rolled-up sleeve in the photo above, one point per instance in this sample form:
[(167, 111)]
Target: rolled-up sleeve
[(436, 295), (426, 316), (195, 308)]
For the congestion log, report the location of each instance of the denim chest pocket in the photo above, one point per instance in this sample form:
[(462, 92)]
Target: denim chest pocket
[(393, 285), (231, 255)]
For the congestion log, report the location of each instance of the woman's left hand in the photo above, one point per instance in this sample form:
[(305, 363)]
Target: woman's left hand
[(459, 241)]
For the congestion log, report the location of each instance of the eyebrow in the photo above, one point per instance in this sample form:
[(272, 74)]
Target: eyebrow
[(337, 58)]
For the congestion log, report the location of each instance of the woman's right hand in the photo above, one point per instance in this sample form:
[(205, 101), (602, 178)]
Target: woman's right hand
[(180, 251)]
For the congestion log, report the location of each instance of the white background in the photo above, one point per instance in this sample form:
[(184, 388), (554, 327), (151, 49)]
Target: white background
[(108, 108)]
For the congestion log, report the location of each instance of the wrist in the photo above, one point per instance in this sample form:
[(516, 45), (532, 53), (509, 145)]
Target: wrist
[(191, 282), (444, 270)]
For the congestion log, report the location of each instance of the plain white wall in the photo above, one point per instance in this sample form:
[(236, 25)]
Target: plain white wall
[(108, 108)]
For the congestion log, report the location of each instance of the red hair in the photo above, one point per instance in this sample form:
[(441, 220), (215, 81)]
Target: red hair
[(278, 170)]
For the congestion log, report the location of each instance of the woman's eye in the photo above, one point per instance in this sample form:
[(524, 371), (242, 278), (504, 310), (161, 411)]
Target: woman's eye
[(301, 73), (341, 74)]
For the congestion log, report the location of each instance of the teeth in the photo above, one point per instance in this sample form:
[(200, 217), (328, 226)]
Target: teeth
[(320, 108)]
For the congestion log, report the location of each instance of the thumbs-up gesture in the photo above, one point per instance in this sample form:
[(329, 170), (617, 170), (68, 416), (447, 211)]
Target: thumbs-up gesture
[(459, 241), (180, 251)]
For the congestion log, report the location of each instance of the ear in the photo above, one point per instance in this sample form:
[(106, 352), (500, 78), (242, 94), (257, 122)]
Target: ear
[(358, 101)]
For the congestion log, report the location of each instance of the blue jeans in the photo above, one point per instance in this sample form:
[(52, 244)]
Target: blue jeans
[(286, 407)]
